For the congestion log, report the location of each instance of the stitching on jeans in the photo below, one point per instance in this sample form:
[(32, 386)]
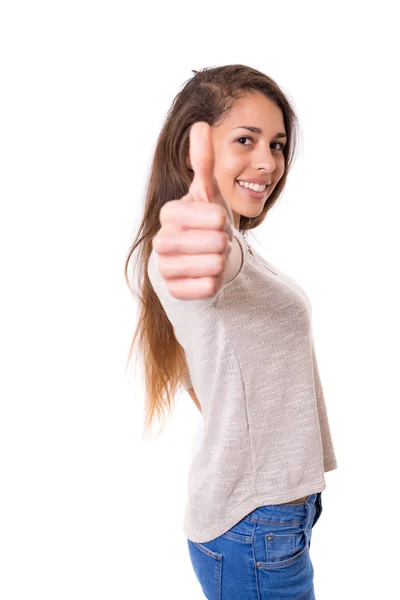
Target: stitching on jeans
[(215, 555), (255, 562)]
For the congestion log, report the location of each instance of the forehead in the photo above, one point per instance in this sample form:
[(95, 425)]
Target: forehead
[(257, 110)]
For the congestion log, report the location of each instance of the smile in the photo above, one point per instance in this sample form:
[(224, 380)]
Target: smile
[(252, 186), (251, 190)]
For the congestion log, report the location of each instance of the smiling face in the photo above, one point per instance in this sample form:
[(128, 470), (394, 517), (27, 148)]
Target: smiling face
[(243, 155)]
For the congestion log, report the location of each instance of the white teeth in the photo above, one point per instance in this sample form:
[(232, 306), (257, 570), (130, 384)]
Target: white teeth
[(253, 186)]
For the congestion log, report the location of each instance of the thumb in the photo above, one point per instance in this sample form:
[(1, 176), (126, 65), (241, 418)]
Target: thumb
[(201, 154)]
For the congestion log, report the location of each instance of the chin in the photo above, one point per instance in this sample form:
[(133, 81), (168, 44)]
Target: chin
[(250, 214)]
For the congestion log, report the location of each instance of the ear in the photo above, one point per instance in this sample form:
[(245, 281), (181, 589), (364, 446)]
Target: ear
[(187, 163)]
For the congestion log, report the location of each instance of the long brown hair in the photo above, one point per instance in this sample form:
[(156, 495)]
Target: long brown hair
[(207, 96)]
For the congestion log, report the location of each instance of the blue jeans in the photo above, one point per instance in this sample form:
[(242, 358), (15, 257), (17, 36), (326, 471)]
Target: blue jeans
[(265, 556)]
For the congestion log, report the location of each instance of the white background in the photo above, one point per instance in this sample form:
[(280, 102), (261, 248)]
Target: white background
[(88, 509)]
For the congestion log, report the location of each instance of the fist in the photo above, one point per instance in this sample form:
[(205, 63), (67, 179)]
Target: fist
[(195, 238)]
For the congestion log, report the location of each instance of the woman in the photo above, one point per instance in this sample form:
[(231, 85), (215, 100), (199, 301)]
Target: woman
[(236, 333)]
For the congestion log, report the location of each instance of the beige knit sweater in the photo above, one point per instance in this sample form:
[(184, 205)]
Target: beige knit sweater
[(251, 361)]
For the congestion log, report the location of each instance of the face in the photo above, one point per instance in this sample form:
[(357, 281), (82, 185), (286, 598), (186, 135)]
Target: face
[(252, 156)]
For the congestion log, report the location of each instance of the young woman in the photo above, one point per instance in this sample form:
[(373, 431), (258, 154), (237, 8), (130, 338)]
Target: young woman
[(236, 333)]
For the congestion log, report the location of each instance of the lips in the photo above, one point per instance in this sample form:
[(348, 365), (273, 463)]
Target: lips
[(252, 193)]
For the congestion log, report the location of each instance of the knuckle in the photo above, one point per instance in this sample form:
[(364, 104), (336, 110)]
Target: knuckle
[(163, 266), (163, 212), (212, 285), (173, 292), (167, 210), (156, 242), (222, 241), (216, 264), (221, 215), (221, 262)]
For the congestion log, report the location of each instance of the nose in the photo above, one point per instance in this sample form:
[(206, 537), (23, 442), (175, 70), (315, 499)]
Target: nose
[(263, 159)]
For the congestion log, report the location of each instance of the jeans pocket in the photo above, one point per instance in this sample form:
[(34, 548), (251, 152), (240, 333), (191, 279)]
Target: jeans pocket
[(284, 548), (207, 566)]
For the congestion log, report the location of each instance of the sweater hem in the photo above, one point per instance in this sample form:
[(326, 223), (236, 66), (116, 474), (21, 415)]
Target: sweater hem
[(244, 509)]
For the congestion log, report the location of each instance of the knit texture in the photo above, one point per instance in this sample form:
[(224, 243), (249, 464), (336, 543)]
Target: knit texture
[(251, 361)]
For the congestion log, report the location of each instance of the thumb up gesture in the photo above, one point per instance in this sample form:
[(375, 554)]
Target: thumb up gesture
[(195, 238)]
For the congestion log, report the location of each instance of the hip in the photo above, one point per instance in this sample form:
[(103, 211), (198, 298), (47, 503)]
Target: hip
[(264, 556)]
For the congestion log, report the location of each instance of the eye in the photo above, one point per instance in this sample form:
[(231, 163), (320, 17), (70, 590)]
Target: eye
[(244, 138), (280, 144)]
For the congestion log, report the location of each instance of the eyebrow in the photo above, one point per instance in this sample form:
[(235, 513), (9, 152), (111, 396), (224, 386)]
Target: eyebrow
[(258, 130)]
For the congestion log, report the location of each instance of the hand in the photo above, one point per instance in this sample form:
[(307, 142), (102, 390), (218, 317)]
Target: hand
[(195, 238)]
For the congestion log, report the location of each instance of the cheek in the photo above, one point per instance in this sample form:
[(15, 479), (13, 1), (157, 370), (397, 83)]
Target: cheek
[(227, 170), (280, 170)]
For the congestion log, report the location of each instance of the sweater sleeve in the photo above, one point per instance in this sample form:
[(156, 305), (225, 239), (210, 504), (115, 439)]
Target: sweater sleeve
[(184, 314)]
